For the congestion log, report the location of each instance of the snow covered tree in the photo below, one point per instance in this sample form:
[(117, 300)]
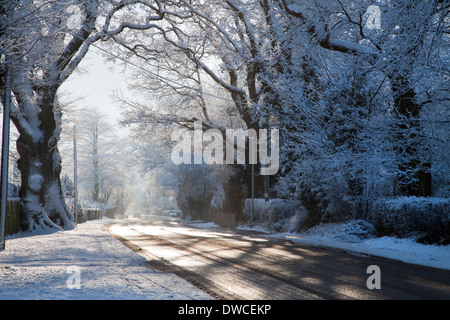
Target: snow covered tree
[(46, 40), (99, 154), (354, 119), (399, 49), (214, 58)]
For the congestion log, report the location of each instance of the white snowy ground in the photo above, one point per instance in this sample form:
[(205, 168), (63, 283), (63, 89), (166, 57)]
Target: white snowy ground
[(37, 267)]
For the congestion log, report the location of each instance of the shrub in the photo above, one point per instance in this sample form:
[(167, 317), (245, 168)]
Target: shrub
[(427, 219), (277, 214)]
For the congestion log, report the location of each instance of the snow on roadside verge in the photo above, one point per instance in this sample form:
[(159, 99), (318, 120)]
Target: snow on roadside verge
[(37, 268), (355, 236)]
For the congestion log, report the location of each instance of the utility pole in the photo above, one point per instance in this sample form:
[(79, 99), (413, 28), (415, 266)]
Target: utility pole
[(266, 188), (5, 159), (253, 192), (75, 178), (266, 177), (252, 160)]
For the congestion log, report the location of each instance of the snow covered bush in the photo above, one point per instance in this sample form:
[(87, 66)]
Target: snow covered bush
[(351, 231), (426, 219), (277, 214), (320, 184)]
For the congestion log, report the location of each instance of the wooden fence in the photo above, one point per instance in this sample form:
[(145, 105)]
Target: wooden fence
[(93, 214), (12, 224)]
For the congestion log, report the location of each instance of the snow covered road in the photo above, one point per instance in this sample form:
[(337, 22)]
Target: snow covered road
[(87, 263), (235, 264)]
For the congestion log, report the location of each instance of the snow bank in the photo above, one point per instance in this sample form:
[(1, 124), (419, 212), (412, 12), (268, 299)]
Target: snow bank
[(359, 236), (39, 267), (395, 226)]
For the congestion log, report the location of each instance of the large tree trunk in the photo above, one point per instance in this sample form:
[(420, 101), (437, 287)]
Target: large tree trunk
[(43, 204)]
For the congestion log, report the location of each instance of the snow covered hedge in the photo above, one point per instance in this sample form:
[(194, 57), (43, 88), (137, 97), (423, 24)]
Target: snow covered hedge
[(427, 219), (277, 214)]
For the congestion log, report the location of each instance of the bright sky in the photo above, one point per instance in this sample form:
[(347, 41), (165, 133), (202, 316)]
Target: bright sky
[(95, 81)]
